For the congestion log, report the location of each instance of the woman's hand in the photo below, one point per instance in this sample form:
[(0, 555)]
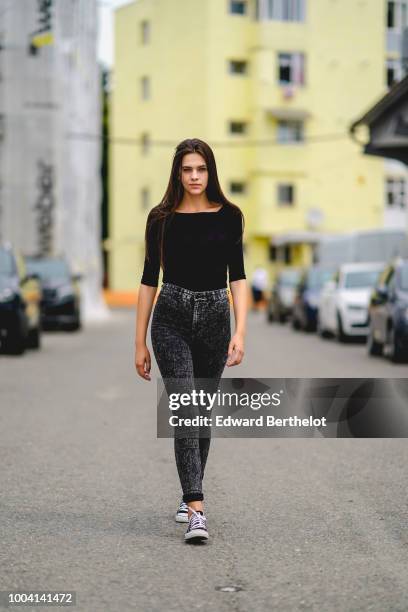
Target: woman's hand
[(142, 361), (235, 350)]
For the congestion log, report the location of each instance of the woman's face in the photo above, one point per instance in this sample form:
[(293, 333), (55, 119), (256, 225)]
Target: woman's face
[(194, 173)]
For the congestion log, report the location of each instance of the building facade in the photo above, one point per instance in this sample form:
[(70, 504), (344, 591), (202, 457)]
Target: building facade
[(50, 127), (272, 86)]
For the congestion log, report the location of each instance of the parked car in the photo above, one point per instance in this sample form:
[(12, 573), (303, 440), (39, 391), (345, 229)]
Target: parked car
[(307, 293), (344, 299), (60, 305), (388, 313), (282, 296), (20, 295)]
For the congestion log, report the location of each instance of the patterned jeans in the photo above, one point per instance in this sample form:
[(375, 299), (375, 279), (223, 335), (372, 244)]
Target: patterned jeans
[(190, 333)]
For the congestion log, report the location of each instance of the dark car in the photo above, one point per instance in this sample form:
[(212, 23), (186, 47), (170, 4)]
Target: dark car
[(282, 296), (388, 313), (60, 304), (305, 306), (20, 295)]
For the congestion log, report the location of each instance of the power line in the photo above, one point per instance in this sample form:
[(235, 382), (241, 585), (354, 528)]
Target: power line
[(227, 143)]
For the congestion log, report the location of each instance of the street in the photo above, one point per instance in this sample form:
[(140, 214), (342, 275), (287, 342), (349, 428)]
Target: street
[(89, 492)]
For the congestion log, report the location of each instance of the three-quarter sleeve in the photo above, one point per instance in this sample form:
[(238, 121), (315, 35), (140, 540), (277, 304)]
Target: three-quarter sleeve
[(236, 268), (151, 267)]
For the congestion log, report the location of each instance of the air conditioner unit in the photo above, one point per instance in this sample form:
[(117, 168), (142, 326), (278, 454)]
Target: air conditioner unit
[(314, 217)]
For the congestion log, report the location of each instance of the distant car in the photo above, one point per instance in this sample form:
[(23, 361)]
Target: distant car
[(305, 306), (60, 305), (282, 296), (344, 299), (20, 295), (388, 313)]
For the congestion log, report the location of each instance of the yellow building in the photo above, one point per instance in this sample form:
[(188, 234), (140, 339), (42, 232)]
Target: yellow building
[(273, 88)]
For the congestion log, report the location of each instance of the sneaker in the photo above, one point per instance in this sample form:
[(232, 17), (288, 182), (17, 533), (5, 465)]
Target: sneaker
[(197, 528), (182, 513)]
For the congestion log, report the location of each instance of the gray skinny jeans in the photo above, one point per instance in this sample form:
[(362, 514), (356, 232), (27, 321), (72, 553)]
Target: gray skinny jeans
[(190, 334)]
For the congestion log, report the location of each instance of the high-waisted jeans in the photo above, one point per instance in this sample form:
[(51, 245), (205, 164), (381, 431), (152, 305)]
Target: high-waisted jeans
[(190, 333)]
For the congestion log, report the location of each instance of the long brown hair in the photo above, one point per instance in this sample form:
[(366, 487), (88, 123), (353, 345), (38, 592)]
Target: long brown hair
[(175, 190)]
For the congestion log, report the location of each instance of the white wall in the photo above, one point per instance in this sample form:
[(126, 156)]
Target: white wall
[(50, 174)]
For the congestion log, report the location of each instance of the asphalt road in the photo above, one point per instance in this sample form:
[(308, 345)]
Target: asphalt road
[(88, 492)]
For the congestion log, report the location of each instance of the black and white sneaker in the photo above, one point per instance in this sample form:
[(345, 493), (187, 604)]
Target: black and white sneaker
[(197, 528), (182, 513)]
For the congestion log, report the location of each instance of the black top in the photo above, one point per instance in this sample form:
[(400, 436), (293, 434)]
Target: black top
[(198, 248)]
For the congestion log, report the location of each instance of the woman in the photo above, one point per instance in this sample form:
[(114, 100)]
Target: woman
[(195, 235)]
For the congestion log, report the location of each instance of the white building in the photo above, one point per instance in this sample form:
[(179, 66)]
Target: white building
[(50, 128)]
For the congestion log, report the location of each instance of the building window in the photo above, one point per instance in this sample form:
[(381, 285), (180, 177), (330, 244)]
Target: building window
[(145, 139), (145, 32), (397, 14), (237, 187), (145, 198), (396, 193), (273, 252), (238, 7), (238, 66), (394, 71), (391, 15), (285, 194), (145, 87), (290, 131), (237, 127), (281, 10), (281, 253), (292, 10), (291, 68)]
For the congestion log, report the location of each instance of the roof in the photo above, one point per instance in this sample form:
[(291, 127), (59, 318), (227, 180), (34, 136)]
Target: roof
[(398, 92), (296, 237)]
